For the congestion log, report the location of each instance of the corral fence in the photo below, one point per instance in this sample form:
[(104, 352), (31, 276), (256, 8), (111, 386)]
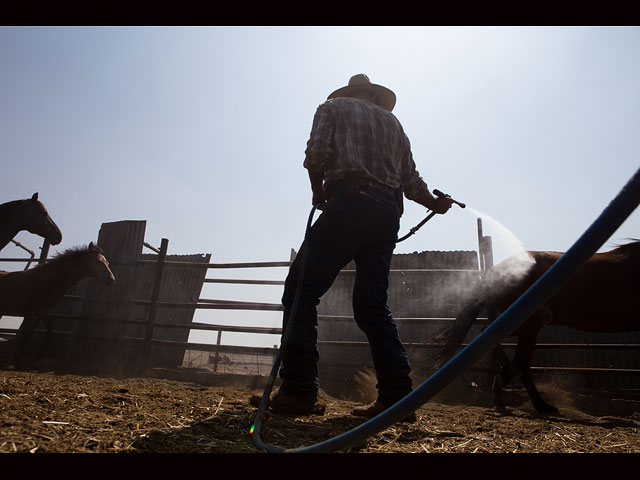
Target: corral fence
[(144, 321), (426, 292)]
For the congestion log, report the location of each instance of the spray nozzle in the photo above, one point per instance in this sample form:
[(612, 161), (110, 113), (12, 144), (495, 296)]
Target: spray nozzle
[(440, 194)]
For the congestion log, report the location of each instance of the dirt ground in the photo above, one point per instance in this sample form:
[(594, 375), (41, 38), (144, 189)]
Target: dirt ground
[(62, 413)]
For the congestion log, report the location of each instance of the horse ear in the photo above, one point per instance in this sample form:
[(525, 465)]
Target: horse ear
[(35, 196), (91, 246)]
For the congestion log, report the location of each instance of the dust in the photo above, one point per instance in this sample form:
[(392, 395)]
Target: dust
[(366, 382), (557, 396)]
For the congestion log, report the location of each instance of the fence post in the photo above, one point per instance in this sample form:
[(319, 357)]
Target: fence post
[(485, 249), (44, 251), (155, 296), (216, 359)]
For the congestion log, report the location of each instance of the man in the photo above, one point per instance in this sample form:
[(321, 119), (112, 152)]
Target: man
[(360, 164)]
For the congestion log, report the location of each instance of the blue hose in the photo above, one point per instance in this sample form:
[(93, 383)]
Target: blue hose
[(264, 402), (586, 246)]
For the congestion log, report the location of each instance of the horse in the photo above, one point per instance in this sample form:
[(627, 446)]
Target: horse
[(30, 215), (602, 296), (32, 293)]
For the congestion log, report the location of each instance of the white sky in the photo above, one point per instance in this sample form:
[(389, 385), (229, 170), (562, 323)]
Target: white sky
[(201, 131)]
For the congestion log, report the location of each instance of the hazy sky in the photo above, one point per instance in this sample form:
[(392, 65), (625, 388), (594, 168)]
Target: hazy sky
[(201, 131)]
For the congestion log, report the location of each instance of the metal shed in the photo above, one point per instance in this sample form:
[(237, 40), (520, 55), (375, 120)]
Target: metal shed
[(114, 321)]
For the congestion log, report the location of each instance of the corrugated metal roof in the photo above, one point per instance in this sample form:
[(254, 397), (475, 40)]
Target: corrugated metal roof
[(122, 243)]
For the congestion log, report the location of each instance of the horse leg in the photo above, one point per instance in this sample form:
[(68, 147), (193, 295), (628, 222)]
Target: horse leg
[(495, 363), (503, 371), (25, 331), (500, 365), (522, 361), (48, 323)]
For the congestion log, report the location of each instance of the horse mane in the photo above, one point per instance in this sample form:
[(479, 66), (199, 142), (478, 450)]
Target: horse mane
[(10, 203), (6, 208), (76, 251), (633, 244)]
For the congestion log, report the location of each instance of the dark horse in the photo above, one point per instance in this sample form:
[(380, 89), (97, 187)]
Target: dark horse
[(30, 215), (602, 296), (32, 293)]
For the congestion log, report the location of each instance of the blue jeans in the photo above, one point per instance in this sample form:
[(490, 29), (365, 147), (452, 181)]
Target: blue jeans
[(363, 229)]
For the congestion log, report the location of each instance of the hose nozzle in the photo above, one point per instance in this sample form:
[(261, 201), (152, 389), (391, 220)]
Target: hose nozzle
[(440, 194)]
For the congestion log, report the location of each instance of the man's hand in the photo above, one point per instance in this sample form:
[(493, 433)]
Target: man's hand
[(317, 188), (436, 204), (442, 204), (320, 199)]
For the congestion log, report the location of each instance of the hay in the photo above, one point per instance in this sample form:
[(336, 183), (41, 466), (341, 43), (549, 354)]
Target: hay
[(43, 412)]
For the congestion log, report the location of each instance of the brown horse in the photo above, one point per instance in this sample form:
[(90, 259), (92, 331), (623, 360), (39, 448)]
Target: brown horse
[(30, 215), (602, 296), (32, 293)]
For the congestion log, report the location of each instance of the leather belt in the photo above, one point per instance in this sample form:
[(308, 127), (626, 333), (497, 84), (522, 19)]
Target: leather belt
[(371, 183)]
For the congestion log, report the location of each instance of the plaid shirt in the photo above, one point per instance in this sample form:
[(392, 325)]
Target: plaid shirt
[(351, 136)]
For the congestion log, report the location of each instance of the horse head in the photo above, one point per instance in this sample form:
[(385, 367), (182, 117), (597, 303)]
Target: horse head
[(99, 265), (37, 221)]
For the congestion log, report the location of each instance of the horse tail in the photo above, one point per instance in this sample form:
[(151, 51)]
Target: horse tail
[(451, 338)]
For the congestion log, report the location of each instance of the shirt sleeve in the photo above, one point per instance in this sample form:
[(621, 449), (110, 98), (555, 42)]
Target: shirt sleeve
[(412, 182), (320, 144)]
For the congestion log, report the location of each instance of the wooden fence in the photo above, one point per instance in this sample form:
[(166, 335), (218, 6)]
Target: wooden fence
[(146, 320)]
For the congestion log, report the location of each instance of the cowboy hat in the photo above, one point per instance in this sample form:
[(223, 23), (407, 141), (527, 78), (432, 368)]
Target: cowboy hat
[(361, 82)]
